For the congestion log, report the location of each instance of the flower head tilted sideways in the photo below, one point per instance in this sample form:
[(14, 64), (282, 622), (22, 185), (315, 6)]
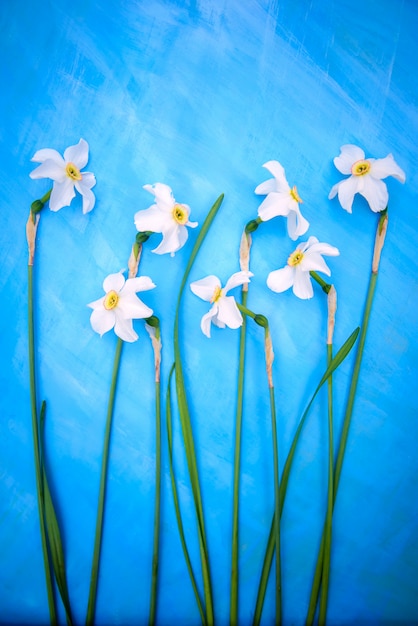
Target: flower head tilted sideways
[(66, 174), (224, 311), (166, 216), (365, 179), (281, 200), (120, 306), (306, 258)]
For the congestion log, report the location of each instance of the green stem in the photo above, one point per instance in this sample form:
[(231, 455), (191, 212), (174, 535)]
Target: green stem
[(237, 461), (276, 508), (91, 609), (268, 557), (330, 502), (261, 320), (156, 541), (176, 498), (380, 238), (35, 433), (185, 421)]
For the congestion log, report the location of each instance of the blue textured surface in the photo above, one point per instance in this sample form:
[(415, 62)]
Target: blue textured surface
[(199, 95)]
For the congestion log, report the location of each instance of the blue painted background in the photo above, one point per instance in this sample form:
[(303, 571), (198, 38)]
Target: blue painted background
[(198, 95)]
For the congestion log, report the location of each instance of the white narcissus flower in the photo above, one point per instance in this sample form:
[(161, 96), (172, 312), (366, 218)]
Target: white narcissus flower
[(66, 174), (366, 178), (166, 216), (120, 306), (224, 311), (306, 258), (281, 200)]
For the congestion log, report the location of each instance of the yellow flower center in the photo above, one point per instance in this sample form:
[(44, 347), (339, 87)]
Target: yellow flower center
[(295, 258), (111, 300), (360, 168), (180, 214), (73, 172), (295, 195), (216, 295)]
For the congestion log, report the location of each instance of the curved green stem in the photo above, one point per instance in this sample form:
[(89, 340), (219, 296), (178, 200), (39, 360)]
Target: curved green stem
[(186, 425), (36, 450), (237, 461), (176, 499), (91, 609)]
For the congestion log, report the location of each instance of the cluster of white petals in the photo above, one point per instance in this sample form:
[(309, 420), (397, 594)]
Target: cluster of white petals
[(66, 174), (365, 178), (166, 216), (120, 305), (224, 311), (306, 258), (281, 200)]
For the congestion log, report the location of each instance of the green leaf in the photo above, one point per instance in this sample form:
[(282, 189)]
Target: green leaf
[(185, 420), (52, 527), (268, 557)]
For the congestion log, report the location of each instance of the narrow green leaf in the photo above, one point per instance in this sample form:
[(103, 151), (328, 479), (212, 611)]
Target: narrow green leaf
[(52, 527), (268, 557), (185, 420), (176, 498)]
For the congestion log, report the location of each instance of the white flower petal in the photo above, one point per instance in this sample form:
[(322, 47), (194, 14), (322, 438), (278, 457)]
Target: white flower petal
[(173, 238), (205, 287), (151, 219), (267, 187), (102, 320), (50, 169), (131, 307), (48, 153), (302, 286), (277, 169), (78, 154), (239, 278), (346, 192), (387, 167), (61, 194), (163, 195), (228, 312), (124, 329), (205, 322), (114, 282), (349, 155), (313, 262), (273, 205), (297, 225), (83, 187), (87, 182), (140, 283), (282, 279), (321, 248), (192, 224), (97, 304), (375, 192)]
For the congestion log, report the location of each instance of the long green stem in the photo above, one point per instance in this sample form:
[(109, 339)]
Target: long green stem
[(262, 321), (36, 449), (276, 509), (91, 609), (378, 246), (269, 553), (237, 462), (330, 502), (155, 338), (176, 499), (186, 425)]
